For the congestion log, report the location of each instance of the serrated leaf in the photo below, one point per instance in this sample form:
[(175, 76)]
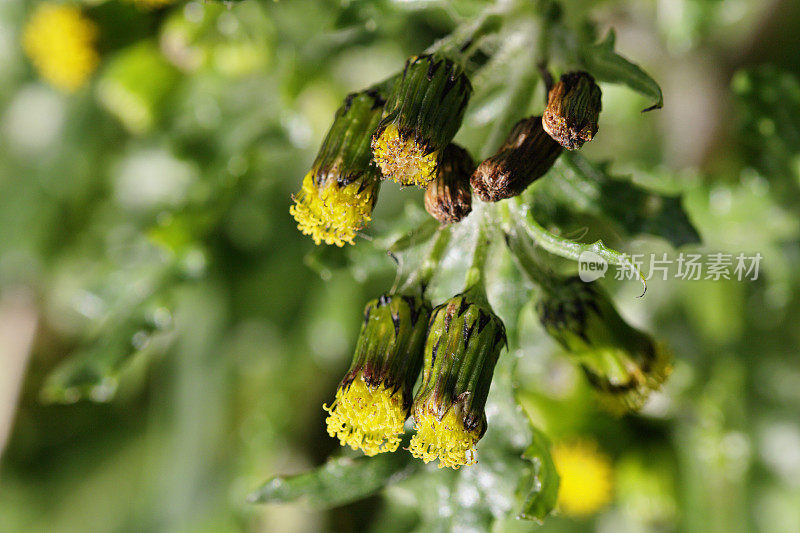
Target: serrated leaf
[(337, 482), (605, 64), (577, 183), (541, 490)]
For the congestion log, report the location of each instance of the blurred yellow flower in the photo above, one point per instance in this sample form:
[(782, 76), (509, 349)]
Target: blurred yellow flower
[(60, 42), (585, 474)]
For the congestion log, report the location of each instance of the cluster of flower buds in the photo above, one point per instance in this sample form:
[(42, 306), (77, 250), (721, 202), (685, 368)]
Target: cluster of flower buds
[(401, 130), (459, 342), (624, 365)]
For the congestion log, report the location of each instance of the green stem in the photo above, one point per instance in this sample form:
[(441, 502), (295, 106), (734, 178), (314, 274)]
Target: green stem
[(421, 277), (474, 281), (521, 247), (461, 44), (570, 249), (522, 87)]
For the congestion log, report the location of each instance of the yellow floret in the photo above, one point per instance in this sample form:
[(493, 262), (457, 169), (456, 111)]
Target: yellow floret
[(332, 213), (403, 160), (585, 474), (446, 440), (367, 418), (60, 42)]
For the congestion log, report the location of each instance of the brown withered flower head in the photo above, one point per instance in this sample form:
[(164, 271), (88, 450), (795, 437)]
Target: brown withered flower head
[(526, 155), (448, 198), (573, 107)]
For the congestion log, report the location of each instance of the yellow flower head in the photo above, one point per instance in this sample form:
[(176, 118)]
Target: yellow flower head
[(402, 159), (332, 212), (446, 440), (421, 116), (338, 195), (369, 418), (586, 477), (374, 397), (60, 42), (464, 342)]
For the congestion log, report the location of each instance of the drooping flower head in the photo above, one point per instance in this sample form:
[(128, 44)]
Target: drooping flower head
[(421, 117), (624, 365), (448, 198), (340, 191), (526, 155), (61, 44), (374, 397), (464, 342), (573, 108), (585, 484)]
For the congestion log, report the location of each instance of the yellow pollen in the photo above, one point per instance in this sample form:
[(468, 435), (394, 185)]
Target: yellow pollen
[(446, 440), (585, 473), (60, 43), (333, 214), (403, 160), (367, 418)]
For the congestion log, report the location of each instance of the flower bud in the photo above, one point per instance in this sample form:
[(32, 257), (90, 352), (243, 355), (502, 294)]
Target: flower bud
[(374, 397), (622, 363), (464, 341), (573, 107), (526, 155), (448, 198), (340, 191), (422, 115)]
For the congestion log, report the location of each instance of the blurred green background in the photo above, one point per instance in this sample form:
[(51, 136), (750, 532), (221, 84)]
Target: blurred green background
[(167, 337)]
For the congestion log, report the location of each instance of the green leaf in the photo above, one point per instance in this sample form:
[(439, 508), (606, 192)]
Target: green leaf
[(337, 482), (768, 104), (605, 64), (577, 183), (92, 371), (541, 489)]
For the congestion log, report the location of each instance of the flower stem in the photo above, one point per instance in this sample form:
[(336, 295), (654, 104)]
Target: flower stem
[(421, 277), (521, 247), (474, 281)]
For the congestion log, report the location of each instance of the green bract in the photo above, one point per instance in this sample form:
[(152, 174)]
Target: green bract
[(374, 397), (338, 194), (464, 341), (421, 116)]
